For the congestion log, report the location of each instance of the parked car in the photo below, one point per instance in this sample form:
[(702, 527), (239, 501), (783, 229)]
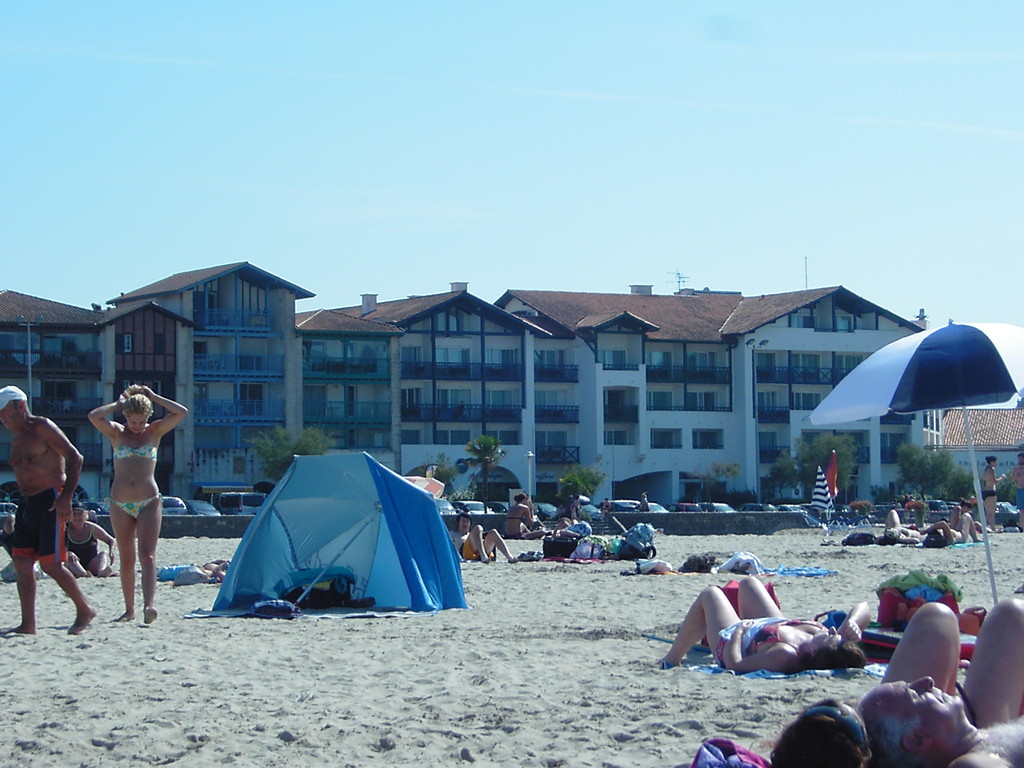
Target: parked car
[(685, 506), (197, 507), (7, 508), (717, 506), (545, 511), (1007, 509), (756, 506), (472, 507), (172, 505), (234, 503), (625, 505), (445, 507), (790, 508), (653, 506), (497, 507)]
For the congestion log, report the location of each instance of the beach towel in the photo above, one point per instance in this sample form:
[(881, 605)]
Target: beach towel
[(874, 670), (804, 570)]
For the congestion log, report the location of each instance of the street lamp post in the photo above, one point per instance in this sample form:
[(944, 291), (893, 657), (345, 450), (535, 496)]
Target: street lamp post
[(20, 320), (529, 473), (754, 345)]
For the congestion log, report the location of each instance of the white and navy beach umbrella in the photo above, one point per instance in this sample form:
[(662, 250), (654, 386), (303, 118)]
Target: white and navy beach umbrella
[(822, 498), (955, 366)]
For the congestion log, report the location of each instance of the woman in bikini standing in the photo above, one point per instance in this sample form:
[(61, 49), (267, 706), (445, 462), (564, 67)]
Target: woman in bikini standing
[(135, 509)]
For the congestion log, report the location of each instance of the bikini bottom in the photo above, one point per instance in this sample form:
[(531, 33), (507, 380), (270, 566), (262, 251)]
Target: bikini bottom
[(134, 508)]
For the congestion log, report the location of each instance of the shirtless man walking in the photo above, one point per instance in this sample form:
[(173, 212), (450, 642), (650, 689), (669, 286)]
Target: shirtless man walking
[(1018, 478), (46, 467)]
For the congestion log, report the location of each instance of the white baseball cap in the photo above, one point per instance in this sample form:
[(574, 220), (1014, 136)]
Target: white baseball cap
[(9, 394)]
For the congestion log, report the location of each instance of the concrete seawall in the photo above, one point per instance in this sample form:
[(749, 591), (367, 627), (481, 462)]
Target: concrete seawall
[(677, 524)]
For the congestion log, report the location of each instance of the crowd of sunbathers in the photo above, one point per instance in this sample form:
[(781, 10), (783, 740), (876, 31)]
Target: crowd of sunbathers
[(918, 716), (474, 543)]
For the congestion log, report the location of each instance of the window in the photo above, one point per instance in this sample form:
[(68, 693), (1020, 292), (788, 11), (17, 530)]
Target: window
[(501, 356), (411, 436), (844, 323), (552, 357), (805, 401), (410, 354), (700, 401), (502, 397), (659, 358), (551, 439), (801, 319), (553, 397), (767, 440), (616, 437), (707, 439), (126, 342), (659, 401), (159, 343), (451, 321), (411, 398), (453, 396), (451, 437), (614, 358), (805, 360), (666, 438), (766, 398), (453, 355), (700, 360), (507, 436)]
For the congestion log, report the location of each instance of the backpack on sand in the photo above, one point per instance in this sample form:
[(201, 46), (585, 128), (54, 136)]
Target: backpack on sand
[(638, 543)]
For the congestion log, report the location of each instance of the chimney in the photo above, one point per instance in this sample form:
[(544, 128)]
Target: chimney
[(369, 303), (460, 287), (641, 290)]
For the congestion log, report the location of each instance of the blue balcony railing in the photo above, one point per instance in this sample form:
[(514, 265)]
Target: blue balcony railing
[(558, 454), (238, 410), (348, 412), (557, 414), (233, 366), (344, 367), (556, 372), (254, 320), (624, 413)]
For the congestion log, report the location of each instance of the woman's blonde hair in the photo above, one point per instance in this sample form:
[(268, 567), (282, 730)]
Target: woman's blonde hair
[(137, 404)]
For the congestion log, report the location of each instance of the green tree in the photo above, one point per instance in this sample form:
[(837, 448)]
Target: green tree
[(783, 474), (444, 470), (580, 481), (817, 452), (485, 452), (275, 448), (715, 475), (925, 472)]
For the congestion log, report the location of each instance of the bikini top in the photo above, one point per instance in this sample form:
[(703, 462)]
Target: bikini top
[(145, 451)]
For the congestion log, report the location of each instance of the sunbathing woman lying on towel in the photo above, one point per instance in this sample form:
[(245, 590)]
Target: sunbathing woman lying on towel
[(759, 637)]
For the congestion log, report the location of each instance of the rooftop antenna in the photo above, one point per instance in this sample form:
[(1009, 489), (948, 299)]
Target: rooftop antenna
[(680, 279)]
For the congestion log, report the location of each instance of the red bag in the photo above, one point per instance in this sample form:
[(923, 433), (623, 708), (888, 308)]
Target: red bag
[(895, 609), (732, 592)]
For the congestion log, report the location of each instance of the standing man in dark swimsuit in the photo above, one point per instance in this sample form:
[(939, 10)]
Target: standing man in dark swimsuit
[(46, 467)]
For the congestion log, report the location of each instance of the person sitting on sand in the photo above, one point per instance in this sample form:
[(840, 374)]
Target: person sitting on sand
[(521, 521), (564, 529), (758, 636), (473, 544), (83, 539), (962, 519), (919, 715)]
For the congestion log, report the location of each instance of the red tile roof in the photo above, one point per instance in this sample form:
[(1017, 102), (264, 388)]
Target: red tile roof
[(990, 427), (185, 280), (696, 316), (14, 305), (328, 320)]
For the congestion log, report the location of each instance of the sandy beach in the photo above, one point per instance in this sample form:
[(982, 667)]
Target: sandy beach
[(549, 667)]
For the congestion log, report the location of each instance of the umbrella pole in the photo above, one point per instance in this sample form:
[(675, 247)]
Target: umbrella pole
[(981, 505)]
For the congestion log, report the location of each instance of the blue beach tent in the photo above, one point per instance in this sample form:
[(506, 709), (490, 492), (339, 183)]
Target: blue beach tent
[(346, 515)]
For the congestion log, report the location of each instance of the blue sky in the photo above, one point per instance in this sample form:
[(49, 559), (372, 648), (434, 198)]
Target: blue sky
[(395, 147)]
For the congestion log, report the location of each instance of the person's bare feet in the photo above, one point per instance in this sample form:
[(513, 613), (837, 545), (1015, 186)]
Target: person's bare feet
[(21, 629), (149, 615), (81, 622), (126, 616)]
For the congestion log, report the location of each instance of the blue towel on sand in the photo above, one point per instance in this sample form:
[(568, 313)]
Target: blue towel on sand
[(807, 570), (875, 670)]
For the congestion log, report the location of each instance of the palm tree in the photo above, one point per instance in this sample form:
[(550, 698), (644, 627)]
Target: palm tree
[(485, 452)]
